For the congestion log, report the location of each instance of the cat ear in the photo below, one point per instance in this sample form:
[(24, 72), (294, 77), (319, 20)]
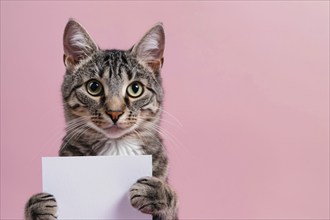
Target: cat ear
[(149, 50), (77, 44)]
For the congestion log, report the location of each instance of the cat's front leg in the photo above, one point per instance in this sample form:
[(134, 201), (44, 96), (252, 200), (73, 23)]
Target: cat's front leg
[(154, 196), (41, 206)]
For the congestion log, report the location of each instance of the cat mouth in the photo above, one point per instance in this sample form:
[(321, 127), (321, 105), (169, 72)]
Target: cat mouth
[(115, 131)]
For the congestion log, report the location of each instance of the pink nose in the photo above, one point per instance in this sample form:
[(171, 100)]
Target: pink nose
[(115, 115)]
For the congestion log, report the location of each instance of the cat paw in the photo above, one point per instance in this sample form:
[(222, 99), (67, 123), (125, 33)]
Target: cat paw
[(150, 195), (41, 206)]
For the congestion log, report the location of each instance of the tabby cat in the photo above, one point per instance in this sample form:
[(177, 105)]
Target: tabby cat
[(113, 103)]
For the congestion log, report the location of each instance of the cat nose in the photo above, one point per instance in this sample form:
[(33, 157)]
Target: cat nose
[(114, 115)]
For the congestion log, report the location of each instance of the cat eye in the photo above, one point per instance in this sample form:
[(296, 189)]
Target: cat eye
[(135, 89), (94, 87)]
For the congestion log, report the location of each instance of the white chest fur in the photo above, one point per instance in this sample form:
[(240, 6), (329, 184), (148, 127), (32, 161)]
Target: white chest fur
[(124, 147)]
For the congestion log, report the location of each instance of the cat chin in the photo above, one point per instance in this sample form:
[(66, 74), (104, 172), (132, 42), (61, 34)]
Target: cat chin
[(115, 132)]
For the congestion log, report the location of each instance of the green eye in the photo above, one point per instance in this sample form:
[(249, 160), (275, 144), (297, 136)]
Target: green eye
[(135, 89), (94, 87)]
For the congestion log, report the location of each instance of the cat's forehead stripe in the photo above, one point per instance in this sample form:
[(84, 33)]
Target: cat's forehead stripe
[(105, 73), (117, 61)]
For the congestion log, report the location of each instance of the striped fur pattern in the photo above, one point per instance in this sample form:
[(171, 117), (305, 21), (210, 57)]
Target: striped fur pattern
[(113, 103), (41, 206)]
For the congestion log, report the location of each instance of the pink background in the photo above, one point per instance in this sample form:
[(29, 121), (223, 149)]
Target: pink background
[(248, 81)]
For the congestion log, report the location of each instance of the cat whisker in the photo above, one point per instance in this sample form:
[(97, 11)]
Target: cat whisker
[(76, 123), (151, 131), (74, 134), (171, 115), (164, 133), (165, 121)]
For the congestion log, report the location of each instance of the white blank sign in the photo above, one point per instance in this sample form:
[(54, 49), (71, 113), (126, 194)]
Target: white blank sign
[(94, 187)]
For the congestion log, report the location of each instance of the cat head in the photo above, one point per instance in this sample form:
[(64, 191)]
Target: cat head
[(114, 92)]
